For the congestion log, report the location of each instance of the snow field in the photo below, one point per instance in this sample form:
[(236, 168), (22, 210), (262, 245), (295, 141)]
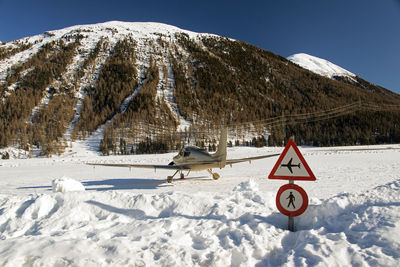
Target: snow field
[(134, 218), (239, 228)]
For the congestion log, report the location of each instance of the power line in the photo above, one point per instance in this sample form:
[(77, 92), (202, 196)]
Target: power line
[(275, 122)]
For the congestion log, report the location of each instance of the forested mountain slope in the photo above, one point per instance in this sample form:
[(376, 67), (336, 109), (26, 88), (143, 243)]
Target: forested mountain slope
[(151, 87)]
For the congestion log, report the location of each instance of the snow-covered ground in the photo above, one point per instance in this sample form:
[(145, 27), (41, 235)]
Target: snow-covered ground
[(134, 218)]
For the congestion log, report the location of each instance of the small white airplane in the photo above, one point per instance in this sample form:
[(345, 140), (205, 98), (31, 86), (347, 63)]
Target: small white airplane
[(193, 158)]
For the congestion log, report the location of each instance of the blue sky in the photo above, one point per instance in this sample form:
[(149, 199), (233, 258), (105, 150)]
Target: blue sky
[(362, 36)]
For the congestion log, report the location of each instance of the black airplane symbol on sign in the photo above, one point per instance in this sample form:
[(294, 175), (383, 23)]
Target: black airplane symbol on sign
[(289, 165)]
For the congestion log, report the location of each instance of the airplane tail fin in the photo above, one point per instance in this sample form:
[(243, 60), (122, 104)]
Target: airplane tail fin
[(220, 155)]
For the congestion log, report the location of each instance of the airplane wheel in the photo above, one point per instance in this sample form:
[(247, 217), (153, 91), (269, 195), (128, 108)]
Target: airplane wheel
[(182, 176), (169, 179), (215, 176)]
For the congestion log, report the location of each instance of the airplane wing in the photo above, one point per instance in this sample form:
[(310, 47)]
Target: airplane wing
[(233, 161), (178, 167), (290, 169), (149, 166)]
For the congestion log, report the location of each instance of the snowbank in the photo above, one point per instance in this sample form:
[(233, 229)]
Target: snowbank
[(238, 228), (66, 184)]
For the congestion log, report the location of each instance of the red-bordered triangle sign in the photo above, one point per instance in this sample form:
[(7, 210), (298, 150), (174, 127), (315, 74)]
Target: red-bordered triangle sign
[(291, 165)]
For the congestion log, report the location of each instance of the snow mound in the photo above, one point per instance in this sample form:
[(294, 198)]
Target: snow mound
[(66, 184), (320, 66), (250, 185), (237, 228)]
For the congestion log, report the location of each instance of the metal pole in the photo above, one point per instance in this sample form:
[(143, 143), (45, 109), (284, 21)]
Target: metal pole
[(291, 219), (291, 224)]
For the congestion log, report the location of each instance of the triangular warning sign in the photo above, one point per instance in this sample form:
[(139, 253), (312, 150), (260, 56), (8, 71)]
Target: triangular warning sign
[(291, 165)]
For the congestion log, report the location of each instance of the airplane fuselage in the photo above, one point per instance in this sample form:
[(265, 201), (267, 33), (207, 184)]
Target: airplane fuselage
[(197, 159)]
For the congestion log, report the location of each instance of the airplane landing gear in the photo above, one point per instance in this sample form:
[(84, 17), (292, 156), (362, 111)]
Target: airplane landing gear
[(215, 175), (170, 178)]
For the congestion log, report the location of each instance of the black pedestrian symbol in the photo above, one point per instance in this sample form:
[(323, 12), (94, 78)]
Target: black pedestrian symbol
[(291, 200)]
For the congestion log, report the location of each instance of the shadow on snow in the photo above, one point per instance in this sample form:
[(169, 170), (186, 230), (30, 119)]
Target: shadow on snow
[(123, 184), (134, 183)]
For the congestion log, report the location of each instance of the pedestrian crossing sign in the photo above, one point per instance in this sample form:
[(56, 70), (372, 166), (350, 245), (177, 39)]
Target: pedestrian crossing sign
[(291, 200)]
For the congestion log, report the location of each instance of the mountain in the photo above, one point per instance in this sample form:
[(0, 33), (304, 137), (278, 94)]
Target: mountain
[(320, 66), (146, 87)]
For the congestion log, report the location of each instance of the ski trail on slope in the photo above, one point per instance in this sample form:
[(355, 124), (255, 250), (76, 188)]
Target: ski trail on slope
[(56, 84), (166, 88), (91, 144), (87, 80)]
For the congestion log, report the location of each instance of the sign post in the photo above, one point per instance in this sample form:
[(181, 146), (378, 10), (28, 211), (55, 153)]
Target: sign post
[(290, 218), (291, 199)]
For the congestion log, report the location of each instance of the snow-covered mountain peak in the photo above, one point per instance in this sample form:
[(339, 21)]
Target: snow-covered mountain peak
[(320, 66), (113, 30), (136, 29)]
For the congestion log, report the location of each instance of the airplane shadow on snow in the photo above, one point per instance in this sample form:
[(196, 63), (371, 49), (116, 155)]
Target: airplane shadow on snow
[(48, 187), (113, 184), (123, 184), (134, 183)]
